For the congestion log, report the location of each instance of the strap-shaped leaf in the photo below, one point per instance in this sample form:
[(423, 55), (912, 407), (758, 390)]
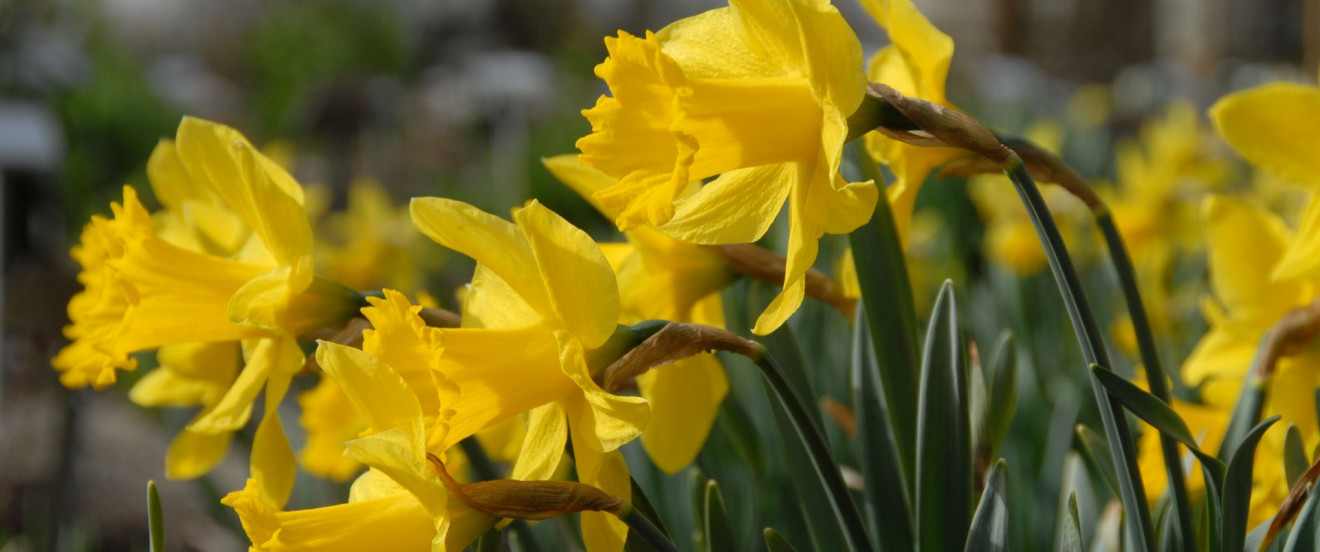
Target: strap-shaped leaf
[(882, 275), (1157, 413), (155, 519), (886, 494), (1295, 462), (719, 530), (1003, 390), (1097, 452), (774, 542), (1071, 536), (989, 532), (1237, 487), (944, 455)]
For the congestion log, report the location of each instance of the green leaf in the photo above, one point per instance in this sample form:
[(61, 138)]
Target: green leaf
[(989, 530), (1250, 404), (742, 433), (155, 519), (1157, 413), (1305, 535), (699, 480), (1098, 454), (944, 455), (1003, 390), (886, 494), (643, 505), (774, 542), (1295, 462), (1237, 487), (1071, 539), (718, 528), (882, 275), (489, 541)]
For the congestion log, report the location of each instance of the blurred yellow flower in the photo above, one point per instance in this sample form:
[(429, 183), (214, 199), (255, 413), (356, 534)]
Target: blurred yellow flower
[(232, 262), (757, 95), (666, 279), (1245, 245), (372, 244), (542, 300), (915, 63)]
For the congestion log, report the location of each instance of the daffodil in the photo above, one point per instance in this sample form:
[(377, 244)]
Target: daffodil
[(1273, 127), (755, 96), (1245, 245), (664, 278), (372, 244), (916, 64), (542, 300), (400, 503), (231, 263)]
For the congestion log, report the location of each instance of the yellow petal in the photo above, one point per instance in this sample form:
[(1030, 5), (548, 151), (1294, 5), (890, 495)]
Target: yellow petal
[(257, 189), (190, 374), (737, 207), (608, 421), (1245, 244), (501, 373), (491, 241), (329, 420), (489, 302), (685, 398), (391, 453), (577, 278), (1225, 352), (402, 340), (170, 179), (265, 359), (1273, 127), (193, 454), (377, 392), (603, 532), (802, 249), (503, 440), (584, 180), (710, 45), (1301, 258), (273, 463), (925, 50), (395, 522), (543, 446)]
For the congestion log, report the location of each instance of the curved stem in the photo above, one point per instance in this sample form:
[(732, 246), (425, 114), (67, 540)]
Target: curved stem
[(818, 449), (1155, 378), (1084, 324)]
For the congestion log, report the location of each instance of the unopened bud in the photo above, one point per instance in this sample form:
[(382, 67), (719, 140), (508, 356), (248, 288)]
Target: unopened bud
[(534, 500), (675, 341)]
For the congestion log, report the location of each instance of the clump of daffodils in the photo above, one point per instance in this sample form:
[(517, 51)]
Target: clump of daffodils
[(576, 376)]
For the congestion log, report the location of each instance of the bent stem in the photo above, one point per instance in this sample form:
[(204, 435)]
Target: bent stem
[(1084, 324), (1155, 377), (643, 527), (817, 448)]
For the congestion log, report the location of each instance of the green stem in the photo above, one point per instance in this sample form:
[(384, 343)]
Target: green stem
[(1089, 338), (1155, 378), (818, 451), (643, 527)]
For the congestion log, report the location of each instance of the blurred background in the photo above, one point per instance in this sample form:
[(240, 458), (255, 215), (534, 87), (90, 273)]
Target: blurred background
[(462, 99)]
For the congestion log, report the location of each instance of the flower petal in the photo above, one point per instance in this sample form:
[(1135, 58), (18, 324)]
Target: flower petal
[(737, 207), (611, 420), (685, 398), (1273, 127), (265, 358), (193, 454), (543, 446), (607, 471), (383, 399), (1301, 257), (1245, 244), (577, 278)]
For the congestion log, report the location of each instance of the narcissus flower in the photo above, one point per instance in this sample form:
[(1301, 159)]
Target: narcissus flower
[(755, 96), (666, 279), (1273, 127), (542, 301), (1245, 245), (915, 63), (231, 263)]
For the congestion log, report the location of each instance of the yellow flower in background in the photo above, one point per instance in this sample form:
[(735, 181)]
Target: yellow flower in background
[(542, 299), (232, 263), (757, 97), (1245, 246), (915, 63), (372, 244), (666, 279), (1273, 127)]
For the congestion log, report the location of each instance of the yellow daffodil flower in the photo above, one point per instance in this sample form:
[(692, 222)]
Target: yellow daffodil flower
[(1245, 245), (757, 97), (372, 244), (232, 263), (1273, 127), (666, 279), (543, 298), (915, 63)]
